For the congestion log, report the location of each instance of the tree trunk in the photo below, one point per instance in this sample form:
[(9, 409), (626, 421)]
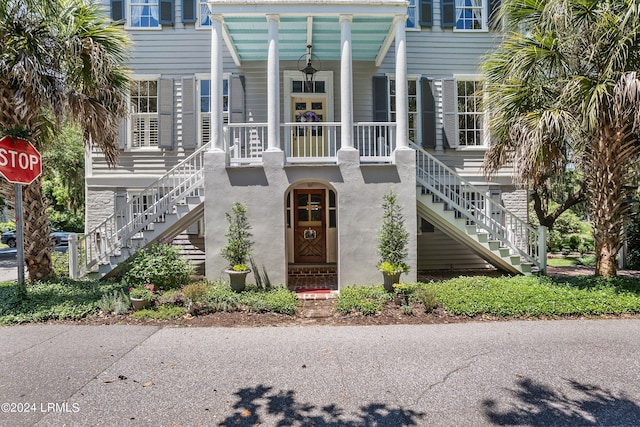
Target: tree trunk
[(609, 161), (38, 244)]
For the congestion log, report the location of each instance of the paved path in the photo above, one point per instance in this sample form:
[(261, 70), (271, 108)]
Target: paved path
[(569, 373)]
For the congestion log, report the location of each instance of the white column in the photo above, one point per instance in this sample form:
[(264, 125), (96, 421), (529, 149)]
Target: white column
[(346, 83), (402, 108), (273, 85), (217, 135)]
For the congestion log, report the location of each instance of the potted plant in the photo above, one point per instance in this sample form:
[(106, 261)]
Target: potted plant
[(141, 296), (238, 247), (392, 242)]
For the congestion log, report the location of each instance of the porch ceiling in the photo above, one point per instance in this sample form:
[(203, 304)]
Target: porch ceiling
[(304, 22)]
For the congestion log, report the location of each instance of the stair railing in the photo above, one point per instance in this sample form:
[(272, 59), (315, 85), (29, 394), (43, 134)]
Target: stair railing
[(478, 208), (143, 209)]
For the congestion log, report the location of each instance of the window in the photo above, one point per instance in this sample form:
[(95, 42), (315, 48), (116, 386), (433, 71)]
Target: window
[(144, 13), (470, 14), (144, 113), (412, 21), (204, 100), (413, 111), (471, 114), (204, 19)]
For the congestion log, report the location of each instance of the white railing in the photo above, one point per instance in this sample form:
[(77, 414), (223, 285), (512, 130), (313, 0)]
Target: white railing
[(311, 141), (246, 141), (149, 206), (479, 209), (375, 140)]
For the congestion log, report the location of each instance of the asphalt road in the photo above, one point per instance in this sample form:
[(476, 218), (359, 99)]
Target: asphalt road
[(566, 373)]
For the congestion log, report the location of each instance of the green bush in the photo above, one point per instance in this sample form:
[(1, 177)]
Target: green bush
[(114, 302), (427, 298), (160, 265), (6, 226), (277, 300), (366, 300), (60, 262), (164, 312)]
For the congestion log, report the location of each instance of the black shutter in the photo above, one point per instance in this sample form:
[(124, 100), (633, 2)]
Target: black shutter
[(428, 113), (236, 99), (426, 13), (117, 10), (380, 99), (448, 13), (189, 11), (493, 10), (166, 12)]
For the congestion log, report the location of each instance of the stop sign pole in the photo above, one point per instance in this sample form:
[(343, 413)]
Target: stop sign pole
[(21, 164)]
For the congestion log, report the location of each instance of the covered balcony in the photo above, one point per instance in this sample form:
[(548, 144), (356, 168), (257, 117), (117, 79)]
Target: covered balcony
[(345, 31)]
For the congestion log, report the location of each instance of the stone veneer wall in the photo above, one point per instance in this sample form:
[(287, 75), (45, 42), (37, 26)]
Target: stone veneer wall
[(99, 205)]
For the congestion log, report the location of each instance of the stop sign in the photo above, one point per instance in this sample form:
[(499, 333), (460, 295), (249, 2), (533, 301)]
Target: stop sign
[(20, 162)]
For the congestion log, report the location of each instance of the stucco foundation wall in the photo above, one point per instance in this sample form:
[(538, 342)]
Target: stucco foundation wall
[(262, 189), (99, 205)]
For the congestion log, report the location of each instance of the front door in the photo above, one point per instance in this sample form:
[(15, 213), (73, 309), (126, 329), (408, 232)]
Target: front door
[(308, 139), (309, 235)]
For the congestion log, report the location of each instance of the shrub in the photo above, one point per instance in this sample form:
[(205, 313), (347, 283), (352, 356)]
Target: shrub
[(427, 298), (160, 265), (195, 292), (163, 312), (238, 247), (60, 263), (393, 237), (171, 297), (277, 300), (366, 300), (114, 302)]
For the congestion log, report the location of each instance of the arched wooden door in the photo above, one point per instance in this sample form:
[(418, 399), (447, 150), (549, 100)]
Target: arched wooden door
[(309, 226)]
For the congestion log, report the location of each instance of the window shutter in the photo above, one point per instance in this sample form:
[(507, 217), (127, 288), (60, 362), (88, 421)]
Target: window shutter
[(123, 133), (120, 202), (189, 11), (166, 12), (380, 99), (428, 113), (236, 99), (426, 13), (450, 113), (165, 110), (493, 9), (189, 122), (448, 13), (117, 10)]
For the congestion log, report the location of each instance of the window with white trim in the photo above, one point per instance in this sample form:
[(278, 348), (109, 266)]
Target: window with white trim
[(471, 113), (144, 14), (412, 104), (144, 113), (204, 14), (204, 107), (412, 16), (471, 15)]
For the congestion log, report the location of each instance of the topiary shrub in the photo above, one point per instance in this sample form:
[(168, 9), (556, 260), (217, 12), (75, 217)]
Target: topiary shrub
[(160, 265)]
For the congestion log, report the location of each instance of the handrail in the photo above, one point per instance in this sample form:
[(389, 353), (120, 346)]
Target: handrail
[(149, 205), (478, 209)]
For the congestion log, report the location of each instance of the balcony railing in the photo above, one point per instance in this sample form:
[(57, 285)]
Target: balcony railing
[(310, 142)]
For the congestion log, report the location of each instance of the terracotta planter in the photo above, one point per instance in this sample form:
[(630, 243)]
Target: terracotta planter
[(139, 303), (237, 279), (390, 279)]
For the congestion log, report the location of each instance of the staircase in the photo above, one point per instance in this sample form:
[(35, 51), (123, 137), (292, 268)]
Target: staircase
[(159, 212), (469, 216), (176, 200)]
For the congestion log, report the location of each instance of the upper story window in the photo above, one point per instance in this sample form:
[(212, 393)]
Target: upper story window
[(471, 14), (471, 114), (204, 19), (412, 16), (144, 113), (144, 13)]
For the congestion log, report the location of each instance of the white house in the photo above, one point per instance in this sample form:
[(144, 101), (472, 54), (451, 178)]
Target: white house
[(307, 112)]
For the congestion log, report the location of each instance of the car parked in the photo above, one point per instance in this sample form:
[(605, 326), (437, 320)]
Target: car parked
[(61, 237)]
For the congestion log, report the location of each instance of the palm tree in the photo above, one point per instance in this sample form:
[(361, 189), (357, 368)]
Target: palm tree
[(562, 89), (60, 59)]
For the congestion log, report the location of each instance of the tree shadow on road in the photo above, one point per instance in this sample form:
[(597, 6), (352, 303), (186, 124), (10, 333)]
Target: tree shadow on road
[(587, 405), (284, 410)]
